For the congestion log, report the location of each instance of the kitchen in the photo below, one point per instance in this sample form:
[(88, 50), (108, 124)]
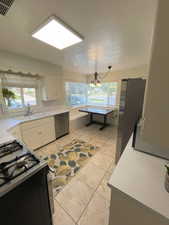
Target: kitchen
[(70, 151)]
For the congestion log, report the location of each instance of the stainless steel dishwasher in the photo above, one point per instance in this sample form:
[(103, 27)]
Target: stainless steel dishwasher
[(62, 124)]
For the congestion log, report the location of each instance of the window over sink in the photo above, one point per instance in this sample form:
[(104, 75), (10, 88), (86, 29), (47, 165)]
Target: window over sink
[(16, 97), (18, 92)]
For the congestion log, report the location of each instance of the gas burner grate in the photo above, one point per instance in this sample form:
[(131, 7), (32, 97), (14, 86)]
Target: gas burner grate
[(10, 170), (5, 6), (9, 148)]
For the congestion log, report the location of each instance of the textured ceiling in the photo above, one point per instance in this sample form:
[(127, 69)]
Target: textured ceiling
[(117, 32)]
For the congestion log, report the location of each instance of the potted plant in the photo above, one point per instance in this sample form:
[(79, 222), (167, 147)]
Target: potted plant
[(8, 96), (167, 178)]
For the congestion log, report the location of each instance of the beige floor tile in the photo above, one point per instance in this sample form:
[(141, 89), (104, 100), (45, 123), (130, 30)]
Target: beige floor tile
[(109, 150), (103, 189), (111, 168), (74, 198), (65, 140), (97, 141), (61, 217), (101, 160), (97, 212), (78, 200), (51, 148), (91, 175)]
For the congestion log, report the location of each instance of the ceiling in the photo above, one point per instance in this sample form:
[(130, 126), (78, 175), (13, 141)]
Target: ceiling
[(116, 32)]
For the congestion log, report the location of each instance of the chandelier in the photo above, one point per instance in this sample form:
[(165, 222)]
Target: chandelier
[(96, 81)]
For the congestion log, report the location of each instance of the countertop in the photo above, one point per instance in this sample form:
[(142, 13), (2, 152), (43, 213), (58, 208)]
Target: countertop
[(141, 177), (8, 123)]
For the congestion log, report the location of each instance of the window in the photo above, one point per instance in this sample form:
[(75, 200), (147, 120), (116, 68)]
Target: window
[(104, 95), (75, 93), (83, 94), (29, 96), (16, 97), (12, 97), (18, 91)]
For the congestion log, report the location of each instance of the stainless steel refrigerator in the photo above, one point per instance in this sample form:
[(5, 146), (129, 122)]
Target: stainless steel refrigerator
[(130, 110)]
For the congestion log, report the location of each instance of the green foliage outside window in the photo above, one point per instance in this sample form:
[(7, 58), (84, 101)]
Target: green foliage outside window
[(8, 96)]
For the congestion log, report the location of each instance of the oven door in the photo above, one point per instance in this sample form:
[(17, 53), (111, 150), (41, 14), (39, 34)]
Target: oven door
[(28, 203), (50, 189)]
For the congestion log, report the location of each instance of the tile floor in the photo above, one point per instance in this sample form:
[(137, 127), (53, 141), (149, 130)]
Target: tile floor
[(86, 199)]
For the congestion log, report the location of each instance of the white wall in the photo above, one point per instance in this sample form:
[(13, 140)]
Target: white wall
[(74, 77), (22, 63), (25, 64), (16, 62), (156, 112)]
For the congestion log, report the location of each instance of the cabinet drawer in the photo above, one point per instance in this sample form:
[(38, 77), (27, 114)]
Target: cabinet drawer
[(39, 136), (36, 123)]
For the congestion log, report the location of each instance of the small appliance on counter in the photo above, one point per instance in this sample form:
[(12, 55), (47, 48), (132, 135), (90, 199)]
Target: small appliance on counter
[(142, 145), (24, 190)]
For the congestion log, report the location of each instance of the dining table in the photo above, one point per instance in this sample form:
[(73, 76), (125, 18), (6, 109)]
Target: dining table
[(104, 112)]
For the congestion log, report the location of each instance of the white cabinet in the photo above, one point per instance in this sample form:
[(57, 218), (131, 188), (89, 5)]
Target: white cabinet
[(50, 88), (38, 133), (156, 111), (15, 131)]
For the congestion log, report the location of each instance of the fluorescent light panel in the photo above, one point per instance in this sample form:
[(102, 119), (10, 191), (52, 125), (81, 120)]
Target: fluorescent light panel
[(56, 34)]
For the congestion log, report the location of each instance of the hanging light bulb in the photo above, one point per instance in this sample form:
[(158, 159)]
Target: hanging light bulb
[(92, 84), (96, 82)]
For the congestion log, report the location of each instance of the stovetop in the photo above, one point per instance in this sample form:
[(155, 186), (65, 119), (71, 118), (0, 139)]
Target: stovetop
[(9, 148), (15, 160)]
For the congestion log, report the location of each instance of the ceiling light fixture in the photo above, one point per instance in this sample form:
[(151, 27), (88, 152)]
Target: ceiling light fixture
[(57, 34), (96, 82)]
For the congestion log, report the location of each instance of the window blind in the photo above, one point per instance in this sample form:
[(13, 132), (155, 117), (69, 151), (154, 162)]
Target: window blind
[(10, 80)]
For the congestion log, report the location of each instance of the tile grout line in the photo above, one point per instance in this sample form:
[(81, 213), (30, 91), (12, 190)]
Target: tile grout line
[(76, 222), (92, 196), (94, 190), (66, 212)]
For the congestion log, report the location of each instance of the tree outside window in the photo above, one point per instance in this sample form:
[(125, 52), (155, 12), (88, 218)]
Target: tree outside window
[(16, 97)]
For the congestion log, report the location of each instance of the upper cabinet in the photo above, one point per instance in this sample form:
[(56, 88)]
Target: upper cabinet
[(50, 88), (156, 111)]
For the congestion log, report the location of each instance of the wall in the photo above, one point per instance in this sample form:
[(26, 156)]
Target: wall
[(25, 64), (21, 63), (156, 111), (74, 77)]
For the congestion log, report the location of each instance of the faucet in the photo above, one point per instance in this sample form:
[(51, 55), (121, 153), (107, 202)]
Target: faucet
[(28, 110)]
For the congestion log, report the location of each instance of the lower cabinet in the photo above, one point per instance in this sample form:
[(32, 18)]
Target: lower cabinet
[(15, 131), (38, 133)]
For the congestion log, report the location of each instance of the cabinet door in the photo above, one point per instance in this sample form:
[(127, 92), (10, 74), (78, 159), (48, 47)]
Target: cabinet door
[(15, 131), (33, 138), (156, 112), (50, 88), (39, 136), (36, 136)]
